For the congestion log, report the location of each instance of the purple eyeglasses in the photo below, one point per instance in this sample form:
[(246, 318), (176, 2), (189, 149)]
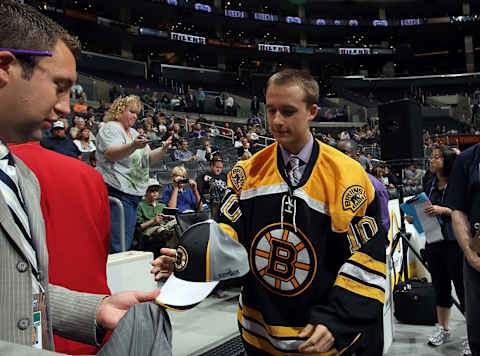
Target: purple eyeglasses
[(27, 52)]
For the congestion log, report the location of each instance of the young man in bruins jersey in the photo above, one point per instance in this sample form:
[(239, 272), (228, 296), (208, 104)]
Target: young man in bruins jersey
[(310, 219)]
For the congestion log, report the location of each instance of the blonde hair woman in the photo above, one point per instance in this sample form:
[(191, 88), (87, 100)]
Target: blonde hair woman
[(124, 158), (184, 194)]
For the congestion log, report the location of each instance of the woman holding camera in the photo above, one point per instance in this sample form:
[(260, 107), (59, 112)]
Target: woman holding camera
[(124, 159), (184, 194), (445, 257)]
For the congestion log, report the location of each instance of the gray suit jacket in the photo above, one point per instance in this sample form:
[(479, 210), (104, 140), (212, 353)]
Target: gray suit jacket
[(70, 314)]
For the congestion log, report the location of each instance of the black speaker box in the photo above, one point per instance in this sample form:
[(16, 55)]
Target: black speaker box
[(401, 125)]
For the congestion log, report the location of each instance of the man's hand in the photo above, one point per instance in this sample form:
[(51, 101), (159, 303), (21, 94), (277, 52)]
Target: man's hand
[(163, 265), (433, 210), (320, 339), (113, 308)]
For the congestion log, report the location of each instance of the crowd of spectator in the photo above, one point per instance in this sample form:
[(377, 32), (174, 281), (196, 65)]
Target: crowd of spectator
[(196, 139)]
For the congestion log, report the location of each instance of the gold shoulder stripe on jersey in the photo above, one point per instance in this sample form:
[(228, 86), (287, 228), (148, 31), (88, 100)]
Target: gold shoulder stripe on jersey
[(353, 198)]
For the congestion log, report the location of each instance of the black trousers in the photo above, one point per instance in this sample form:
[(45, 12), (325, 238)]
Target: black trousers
[(445, 260), (472, 303)]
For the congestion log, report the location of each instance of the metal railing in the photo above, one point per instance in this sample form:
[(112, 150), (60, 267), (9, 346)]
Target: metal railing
[(119, 205)]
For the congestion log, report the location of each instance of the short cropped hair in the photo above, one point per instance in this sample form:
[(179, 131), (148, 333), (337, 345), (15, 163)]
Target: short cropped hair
[(119, 106), (23, 27), (301, 78)]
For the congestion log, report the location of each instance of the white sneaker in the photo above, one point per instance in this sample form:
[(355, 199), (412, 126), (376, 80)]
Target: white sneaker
[(439, 337), (466, 348)]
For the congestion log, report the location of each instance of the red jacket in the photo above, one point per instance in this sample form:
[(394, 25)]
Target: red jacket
[(77, 221)]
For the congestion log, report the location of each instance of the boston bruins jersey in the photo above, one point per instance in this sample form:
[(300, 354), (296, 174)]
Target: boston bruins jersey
[(316, 251)]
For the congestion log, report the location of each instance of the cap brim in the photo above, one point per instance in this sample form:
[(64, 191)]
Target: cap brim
[(177, 294)]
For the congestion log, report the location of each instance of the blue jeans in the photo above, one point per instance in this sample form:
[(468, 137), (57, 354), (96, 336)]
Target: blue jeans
[(130, 206)]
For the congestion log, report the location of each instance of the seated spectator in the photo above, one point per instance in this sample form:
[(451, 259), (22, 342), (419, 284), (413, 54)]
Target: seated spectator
[(78, 125), (153, 224), (59, 142), (197, 132), (178, 132), (183, 194), (244, 148), (226, 131), (162, 125), (83, 141), (253, 121), (210, 151), (411, 175), (212, 184), (238, 133), (80, 106), (150, 133), (214, 130), (175, 103), (92, 125), (201, 119), (183, 154), (208, 133), (101, 107)]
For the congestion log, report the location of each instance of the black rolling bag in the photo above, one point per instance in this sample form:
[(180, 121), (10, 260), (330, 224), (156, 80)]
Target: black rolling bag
[(414, 302)]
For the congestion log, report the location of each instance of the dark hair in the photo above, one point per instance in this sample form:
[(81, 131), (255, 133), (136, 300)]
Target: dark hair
[(23, 27), (448, 156), (301, 78), (216, 158)]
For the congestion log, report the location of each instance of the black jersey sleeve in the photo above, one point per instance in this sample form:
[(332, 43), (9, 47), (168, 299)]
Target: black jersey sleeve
[(354, 311)]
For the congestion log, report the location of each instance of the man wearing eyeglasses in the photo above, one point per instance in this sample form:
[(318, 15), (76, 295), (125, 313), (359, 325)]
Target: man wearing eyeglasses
[(37, 70)]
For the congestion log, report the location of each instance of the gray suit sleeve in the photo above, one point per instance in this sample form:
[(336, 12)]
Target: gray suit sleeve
[(73, 314), (10, 349)]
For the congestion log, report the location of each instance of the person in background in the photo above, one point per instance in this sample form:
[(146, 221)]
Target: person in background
[(254, 106), (183, 194), (444, 257), (201, 100), (463, 197), (349, 147), (183, 154), (83, 141), (212, 184), (80, 106), (157, 229), (124, 159), (59, 142)]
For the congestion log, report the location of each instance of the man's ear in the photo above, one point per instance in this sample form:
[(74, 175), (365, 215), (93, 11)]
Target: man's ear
[(6, 61), (313, 112)]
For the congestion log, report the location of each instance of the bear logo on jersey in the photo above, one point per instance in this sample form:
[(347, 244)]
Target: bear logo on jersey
[(181, 260), (353, 198), (238, 177), (283, 260)]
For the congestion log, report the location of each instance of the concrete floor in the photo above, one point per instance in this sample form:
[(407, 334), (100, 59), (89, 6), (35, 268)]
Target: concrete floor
[(214, 321)]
